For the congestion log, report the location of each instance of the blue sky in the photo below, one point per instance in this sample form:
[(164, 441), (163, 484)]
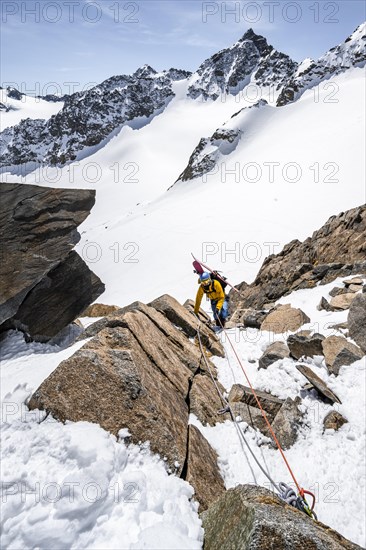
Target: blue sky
[(86, 41)]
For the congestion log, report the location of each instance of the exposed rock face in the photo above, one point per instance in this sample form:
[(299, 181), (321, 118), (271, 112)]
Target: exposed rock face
[(254, 518), (334, 420), (112, 381), (99, 310), (88, 117), (57, 299), (181, 317), (38, 231), (140, 371), (318, 383), (202, 471), (305, 346), (274, 352), (208, 152), (204, 401), (251, 59), (338, 352), (350, 53), (284, 318), (338, 248), (357, 320), (287, 421)]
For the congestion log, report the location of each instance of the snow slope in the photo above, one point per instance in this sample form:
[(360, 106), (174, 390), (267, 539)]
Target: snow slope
[(142, 252), (138, 237), (330, 464), (74, 485), (26, 107)]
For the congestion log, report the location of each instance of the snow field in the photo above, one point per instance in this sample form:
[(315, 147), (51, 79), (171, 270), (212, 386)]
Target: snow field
[(74, 485)]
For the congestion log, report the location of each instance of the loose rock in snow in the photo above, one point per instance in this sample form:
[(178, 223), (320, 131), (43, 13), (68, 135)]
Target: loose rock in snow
[(339, 352), (285, 318), (318, 383), (243, 394), (334, 420), (305, 346), (287, 421), (342, 301), (274, 352)]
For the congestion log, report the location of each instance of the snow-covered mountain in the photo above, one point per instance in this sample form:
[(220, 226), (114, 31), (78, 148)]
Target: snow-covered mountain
[(350, 53), (16, 106), (260, 176), (89, 119), (250, 60)]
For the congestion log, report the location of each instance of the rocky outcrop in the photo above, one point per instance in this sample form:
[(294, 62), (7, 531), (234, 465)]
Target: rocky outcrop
[(112, 381), (338, 352), (204, 401), (337, 249), (57, 299), (284, 318), (181, 317), (142, 372), (202, 469), (44, 284), (357, 320), (254, 518), (274, 352), (208, 152)]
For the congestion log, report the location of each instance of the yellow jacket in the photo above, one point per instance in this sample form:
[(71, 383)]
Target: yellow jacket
[(215, 293)]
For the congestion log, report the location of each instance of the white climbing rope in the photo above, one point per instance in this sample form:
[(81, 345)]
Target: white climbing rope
[(285, 492)]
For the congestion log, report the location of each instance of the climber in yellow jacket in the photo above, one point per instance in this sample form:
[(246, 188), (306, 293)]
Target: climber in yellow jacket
[(214, 291)]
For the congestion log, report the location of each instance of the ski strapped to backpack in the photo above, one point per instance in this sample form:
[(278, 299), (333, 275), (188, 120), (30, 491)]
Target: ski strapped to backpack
[(215, 275)]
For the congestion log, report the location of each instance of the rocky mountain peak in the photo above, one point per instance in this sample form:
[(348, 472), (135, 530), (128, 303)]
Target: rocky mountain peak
[(144, 72), (249, 60), (260, 42)]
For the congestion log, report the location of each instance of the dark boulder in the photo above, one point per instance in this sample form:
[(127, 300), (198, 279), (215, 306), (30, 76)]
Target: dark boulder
[(37, 268), (305, 346)]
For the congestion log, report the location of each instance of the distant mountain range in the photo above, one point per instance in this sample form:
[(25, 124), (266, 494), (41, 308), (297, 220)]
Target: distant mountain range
[(89, 117)]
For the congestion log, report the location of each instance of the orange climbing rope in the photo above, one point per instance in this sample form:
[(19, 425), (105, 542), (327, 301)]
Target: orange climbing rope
[(300, 489)]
